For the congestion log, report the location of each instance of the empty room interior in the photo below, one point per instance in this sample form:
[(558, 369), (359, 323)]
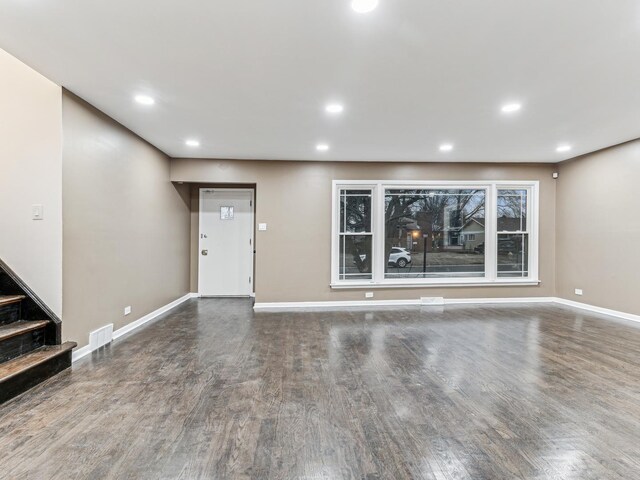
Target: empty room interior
[(319, 240)]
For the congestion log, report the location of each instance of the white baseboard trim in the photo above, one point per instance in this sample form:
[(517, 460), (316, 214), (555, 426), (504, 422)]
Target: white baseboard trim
[(471, 301), (80, 352), (382, 303), (150, 316), (266, 306), (601, 310), (86, 350), (330, 304)]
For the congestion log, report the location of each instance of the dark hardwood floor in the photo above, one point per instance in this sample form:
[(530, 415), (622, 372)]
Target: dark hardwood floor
[(212, 390)]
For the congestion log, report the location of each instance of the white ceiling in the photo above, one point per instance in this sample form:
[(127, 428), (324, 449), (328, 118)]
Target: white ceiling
[(250, 78)]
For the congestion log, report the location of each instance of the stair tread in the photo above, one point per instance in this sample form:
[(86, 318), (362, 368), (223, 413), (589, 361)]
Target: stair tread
[(7, 299), (21, 326), (20, 364)]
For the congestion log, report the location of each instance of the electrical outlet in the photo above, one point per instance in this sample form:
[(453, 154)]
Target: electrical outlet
[(127, 310), (368, 295), (578, 291)]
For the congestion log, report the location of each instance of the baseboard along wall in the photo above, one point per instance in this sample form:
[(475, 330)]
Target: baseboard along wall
[(425, 302), (385, 303), (275, 306), (86, 350)]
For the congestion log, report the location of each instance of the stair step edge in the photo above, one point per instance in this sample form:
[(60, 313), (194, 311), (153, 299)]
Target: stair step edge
[(21, 364), (9, 299), (20, 327)]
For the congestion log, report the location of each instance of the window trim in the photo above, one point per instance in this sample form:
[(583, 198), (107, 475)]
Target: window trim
[(491, 254), (528, 231), (340, 234)]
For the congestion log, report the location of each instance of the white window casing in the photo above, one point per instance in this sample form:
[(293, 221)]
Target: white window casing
[(378, 262)]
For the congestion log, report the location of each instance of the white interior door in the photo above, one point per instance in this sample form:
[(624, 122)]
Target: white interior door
[(225, 266)]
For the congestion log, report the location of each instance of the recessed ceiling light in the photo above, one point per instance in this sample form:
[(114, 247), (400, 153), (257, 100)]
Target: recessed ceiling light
[(334, 108), (192, 143), (511, 107), (446, 147), (322, 147), (144, 100), (364, 6), (563, 148)]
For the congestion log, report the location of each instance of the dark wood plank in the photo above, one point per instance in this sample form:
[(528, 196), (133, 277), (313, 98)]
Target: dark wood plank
[(31, 307), (17, 366), (20, 327), (22, 344), (214, 390), (9, 313), (11, 387), (9, 299)]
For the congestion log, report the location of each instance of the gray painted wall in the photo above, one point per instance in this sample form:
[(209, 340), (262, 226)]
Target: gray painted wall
[(294, 199), (598, 228), (125, 225)]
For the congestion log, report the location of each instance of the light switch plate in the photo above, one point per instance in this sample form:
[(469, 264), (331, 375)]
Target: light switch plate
[(262, 227), (36, 212)]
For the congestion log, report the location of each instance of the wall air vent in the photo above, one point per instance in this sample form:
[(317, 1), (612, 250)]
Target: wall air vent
[(101, 337), (431, 300)]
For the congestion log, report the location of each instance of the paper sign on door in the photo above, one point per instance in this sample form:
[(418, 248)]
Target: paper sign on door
[(226, 213)]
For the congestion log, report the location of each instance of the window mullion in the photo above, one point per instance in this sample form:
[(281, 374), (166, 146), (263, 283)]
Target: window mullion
[(378, 233), (491, 237)]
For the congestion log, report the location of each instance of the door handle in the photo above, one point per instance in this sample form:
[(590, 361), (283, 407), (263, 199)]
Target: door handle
[(205, 252)]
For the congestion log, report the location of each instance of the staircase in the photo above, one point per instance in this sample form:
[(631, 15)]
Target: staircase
[(30, 349)]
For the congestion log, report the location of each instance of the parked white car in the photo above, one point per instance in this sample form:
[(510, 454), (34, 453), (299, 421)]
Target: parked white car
[(399, 257)]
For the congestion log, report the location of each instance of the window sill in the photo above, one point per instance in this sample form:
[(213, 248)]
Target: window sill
[(496, 283)]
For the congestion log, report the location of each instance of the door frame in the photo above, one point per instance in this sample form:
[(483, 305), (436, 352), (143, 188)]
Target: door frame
[(203, 190)]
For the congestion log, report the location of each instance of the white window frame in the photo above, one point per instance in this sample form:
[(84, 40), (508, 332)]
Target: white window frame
[(491, 278), (528, 230), (339, 234)]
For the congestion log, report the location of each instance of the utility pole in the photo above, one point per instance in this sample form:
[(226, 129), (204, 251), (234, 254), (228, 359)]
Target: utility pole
[(424, 255)]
